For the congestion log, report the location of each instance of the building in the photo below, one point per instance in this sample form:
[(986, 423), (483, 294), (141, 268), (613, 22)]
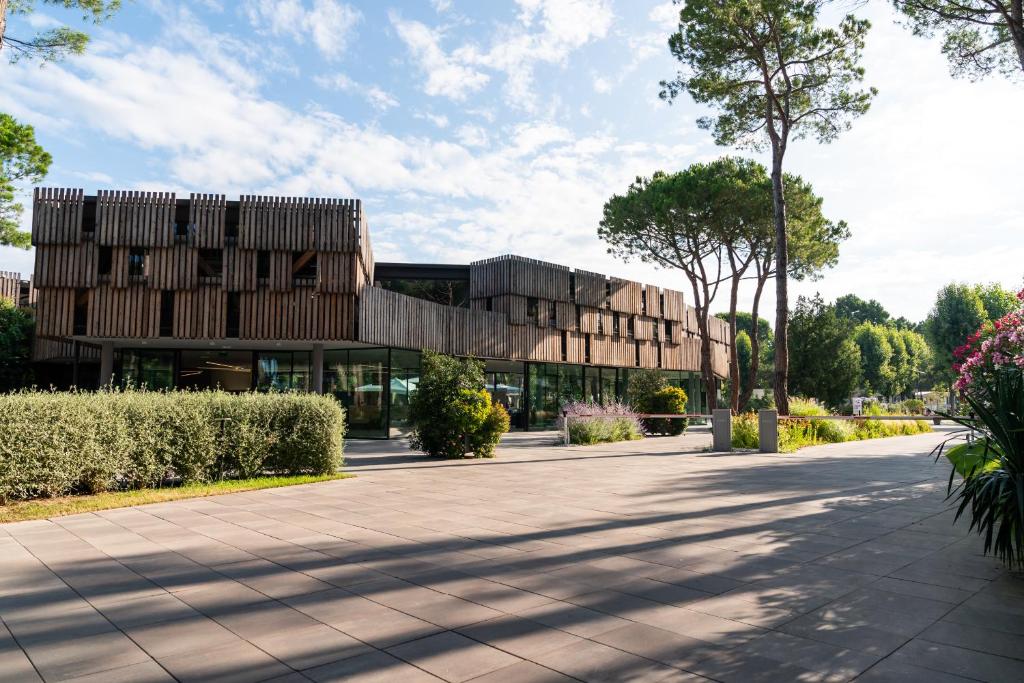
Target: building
[(283, 293)]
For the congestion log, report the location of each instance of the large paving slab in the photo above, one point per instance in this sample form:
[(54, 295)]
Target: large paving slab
[(648, 561)]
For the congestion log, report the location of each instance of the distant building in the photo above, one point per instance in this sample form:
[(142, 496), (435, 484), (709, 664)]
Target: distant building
[(283, 293)]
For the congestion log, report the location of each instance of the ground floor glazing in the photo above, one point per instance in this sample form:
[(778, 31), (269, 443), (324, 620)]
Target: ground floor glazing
[(375, 384)]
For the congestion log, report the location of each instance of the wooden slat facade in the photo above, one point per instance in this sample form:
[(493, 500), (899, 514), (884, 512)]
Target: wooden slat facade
[(57, 215), (127, 265), (10, 286)]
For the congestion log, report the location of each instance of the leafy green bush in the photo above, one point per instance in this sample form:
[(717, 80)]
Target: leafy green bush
[(56, 443), (451, 412), (485, 439), (16, 326), (667, 400), (913, 406), (745, 431), (649, 392)]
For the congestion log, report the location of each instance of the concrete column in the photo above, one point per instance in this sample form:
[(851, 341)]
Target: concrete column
[(318, 369), (768, 430), (106, 364), (721, 430)]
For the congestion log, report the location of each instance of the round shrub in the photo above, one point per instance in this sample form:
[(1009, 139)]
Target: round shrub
[(451, 412), (667, 400), (486, 438)]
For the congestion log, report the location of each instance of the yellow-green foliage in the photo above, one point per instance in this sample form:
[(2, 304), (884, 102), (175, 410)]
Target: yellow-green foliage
[(667, 401), (795, 434), (56, 443), (484, 440), (745, 431)]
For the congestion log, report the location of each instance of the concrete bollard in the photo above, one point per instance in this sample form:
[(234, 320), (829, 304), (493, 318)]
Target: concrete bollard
[(768, 430), (721, 430)]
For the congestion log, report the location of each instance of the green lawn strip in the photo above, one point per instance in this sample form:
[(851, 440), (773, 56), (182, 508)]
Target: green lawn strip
[(45, 508), (966, 457)]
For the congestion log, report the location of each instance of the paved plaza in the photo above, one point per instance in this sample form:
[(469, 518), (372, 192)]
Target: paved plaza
[(629, 562)]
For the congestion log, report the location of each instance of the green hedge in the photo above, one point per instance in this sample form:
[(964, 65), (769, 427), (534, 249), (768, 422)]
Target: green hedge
[(57, 443)]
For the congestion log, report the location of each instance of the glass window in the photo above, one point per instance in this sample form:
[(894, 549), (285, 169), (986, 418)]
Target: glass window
[(543, 387), (283, 370), (149, 369), (405, 376), (444, 292), (609, 388), (505, 382), (570, 383), (592, 385), (227, 370), (356, 378), (136, 262)]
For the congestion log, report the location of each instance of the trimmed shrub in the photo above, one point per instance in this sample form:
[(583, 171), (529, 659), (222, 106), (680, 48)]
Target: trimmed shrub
[(58, 443), (451, 412), (667, 400)]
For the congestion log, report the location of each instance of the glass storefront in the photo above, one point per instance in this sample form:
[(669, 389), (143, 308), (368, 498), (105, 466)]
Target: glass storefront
[(356, 378), (375, 385), (505, 382), (405, 376)]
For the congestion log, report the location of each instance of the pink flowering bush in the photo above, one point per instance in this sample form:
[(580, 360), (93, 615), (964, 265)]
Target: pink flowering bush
[(991, 489), (998, 344)]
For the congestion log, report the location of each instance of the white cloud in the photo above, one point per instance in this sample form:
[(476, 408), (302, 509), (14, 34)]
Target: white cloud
[(380, 99), (602, 85), (376, 96), (445, 75), (441, 6), (546, 31), (472, 136), (329, 24), (439, 120), (666, 15)]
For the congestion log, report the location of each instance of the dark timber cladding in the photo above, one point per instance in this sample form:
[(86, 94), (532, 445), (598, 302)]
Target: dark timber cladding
[(106, 263), (123, 266)]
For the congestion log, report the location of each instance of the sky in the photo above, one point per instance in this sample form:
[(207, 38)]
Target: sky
[(472, 129)]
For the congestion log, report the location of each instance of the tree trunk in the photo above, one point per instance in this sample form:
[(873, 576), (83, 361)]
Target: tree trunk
[(1017, 29), (705, 358), (755, 345), (781, 286), (734, 357), (3, 22)]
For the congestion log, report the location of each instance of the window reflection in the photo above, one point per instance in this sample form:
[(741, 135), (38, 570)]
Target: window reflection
[(356, 378), (227, 370)]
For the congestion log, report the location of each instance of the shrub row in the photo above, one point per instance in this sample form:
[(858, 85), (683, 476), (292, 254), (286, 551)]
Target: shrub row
[(799, 433), (56, 443)]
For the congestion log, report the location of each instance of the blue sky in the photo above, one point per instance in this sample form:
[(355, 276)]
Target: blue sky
[(474, 128)]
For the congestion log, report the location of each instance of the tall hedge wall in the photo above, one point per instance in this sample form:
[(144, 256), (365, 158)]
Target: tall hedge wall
[(56, 443)]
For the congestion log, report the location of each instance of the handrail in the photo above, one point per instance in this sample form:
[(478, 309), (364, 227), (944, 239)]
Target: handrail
[(694, 416), (862, 417)]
